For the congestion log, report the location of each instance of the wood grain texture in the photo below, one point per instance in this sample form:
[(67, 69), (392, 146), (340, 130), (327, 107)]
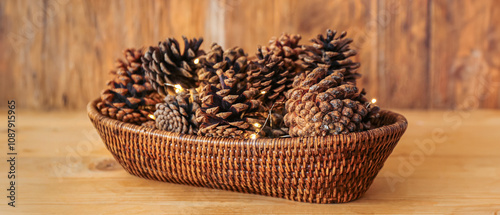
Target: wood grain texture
[(64, 168), (465, 68), (414, 54), (403, 53), (60, 51), (254, 23)]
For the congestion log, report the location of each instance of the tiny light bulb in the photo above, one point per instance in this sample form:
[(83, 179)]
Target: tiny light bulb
[(178, 88), (253, 136), (262, 92), (152, 116), (257, 125), (374, 101), (196, 61)]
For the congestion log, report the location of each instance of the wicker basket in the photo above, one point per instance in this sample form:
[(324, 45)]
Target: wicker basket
[(330, 169)]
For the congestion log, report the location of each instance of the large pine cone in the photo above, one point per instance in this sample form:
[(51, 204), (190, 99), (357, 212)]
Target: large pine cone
[(321, 104), (166, 66), (216, 59), (334, 52), (224, 111), (177, 114), (129, 97)]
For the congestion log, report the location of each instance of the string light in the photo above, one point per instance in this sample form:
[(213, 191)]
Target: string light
[(257, 125), (196, 61), (178, 88), (146, 107), (263, 92), (373, 101), (151, 116)]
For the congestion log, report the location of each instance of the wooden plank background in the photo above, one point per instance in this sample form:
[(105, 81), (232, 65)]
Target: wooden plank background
[(56, 54)]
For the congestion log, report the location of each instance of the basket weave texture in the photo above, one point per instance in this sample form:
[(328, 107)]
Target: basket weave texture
[(331, 169)]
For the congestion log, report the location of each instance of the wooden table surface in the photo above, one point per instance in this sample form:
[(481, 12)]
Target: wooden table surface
[(446, 163)]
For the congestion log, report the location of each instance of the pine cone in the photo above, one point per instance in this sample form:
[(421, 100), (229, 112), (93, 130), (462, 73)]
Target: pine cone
[(216, 59), (166, 66), (177, 114), (129, 97), (332, 52), (272, 78), (272, 75), (286, 46), (321, 104), (224, 111)]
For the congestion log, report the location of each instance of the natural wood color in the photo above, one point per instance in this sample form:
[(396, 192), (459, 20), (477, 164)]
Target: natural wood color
[(402, 53), (414, 54), (465, 68), (459, 177), (61, 51), (256, 22)]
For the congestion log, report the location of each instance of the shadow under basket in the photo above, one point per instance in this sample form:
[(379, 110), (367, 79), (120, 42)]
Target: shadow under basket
[(331, 169)]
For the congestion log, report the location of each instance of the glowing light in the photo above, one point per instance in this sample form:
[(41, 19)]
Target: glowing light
[(151, 116), (257, 125), (374, 101), (178, 88), (196, 61), (253, 136), (263, 92)]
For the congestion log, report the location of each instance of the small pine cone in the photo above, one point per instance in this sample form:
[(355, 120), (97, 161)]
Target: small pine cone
[(332, 52), (224, 111), (321, 104), (166, 66), (129, 97), (216, 59), (177, 114)]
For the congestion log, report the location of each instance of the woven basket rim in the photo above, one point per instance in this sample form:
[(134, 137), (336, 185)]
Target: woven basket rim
[(400, 124)]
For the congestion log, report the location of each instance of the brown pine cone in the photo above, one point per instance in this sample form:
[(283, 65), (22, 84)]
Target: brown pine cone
[(166, 66), (216, 59), (224, 111), (272, 78), (286, 46), (177, 114), (333, 52), (129, 97), (321, 104)]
